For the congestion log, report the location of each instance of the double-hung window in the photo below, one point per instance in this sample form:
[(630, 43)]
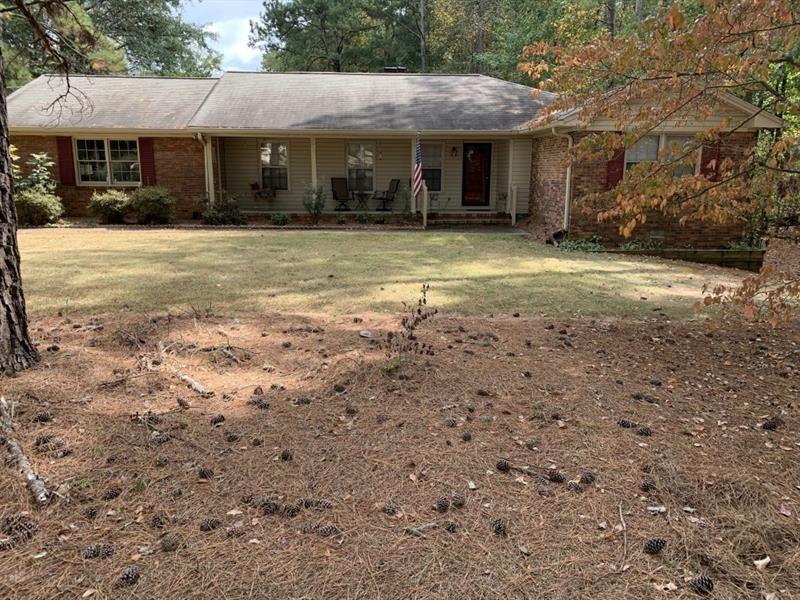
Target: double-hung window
[(361, 166), (650, 148), (108, 162), (432, 166), (275, 165)]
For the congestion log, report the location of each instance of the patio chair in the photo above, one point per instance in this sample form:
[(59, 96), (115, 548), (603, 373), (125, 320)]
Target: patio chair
[(259, 193), (387, 197), (341, 194)]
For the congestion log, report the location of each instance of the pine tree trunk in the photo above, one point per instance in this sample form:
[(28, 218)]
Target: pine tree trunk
[(17, 351)]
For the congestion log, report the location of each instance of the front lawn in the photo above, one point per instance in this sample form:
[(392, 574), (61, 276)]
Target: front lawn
[(97, 270)]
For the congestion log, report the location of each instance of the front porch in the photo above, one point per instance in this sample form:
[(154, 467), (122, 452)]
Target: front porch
[(269, 174)]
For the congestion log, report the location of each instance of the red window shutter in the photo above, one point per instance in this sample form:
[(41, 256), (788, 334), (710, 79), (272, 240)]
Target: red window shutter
[(147, 161), (709, 160), (615, 168), (66, 160)]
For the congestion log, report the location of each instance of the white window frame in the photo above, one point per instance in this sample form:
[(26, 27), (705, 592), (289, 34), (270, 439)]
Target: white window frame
[(441, 165), (374, 163), (663, 145), (288, 163), (107, 142)]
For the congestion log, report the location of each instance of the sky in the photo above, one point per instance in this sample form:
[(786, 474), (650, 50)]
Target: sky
[(230, 20)]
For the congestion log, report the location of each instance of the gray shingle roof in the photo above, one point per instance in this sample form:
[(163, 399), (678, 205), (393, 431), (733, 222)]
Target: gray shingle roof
[(379, 102), (280, 101), (157, 103)]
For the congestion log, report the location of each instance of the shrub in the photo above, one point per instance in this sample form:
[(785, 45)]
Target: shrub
[(280, 219), (342, 220), (362, 218), (637, 244), (36, 207), (224, 211), (314, 202), (153, 205), (40, 174), (593, 244), (110, 206)]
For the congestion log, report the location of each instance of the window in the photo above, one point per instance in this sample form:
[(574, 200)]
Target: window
[(361, 167), (275, 165), (647, 149), (677, 146), (432, 166), (103, 161)]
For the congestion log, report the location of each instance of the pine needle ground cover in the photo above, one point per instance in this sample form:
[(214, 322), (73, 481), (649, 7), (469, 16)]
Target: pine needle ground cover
[(512, 458)]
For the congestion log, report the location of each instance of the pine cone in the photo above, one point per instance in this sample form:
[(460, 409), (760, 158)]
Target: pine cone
[(466, 436), (90, 513), (772, 423), (451, 422), (209, 524), (130, 576), (287, 455), (555, 476), (169, 542), (217, 420), (500, 527), (644, 431), (98, 551), (626, 424), (459, 500), (648, 485), (328, 530), (702, 585), (587, 478), (390, 508), (503, 466), (205, 473), (442, 504), (655, 545), (450, 526), (111, 493)]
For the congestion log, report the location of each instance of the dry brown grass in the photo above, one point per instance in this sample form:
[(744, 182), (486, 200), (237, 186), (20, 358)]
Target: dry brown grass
[(506, 381)]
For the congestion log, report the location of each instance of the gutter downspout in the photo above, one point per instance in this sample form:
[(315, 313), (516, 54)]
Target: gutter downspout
[(208, 166), (568, 185)]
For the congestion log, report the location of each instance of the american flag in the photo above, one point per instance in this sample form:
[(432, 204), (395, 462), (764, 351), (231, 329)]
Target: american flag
[(416, 186)]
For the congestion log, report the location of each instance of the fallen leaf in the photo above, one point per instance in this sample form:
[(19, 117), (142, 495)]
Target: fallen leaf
[(762, 564), (88, 593), (785, 511)]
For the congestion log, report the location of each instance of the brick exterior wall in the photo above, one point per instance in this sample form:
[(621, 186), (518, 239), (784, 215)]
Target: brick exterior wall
[(179, 168), (590, 177), (549, 161)]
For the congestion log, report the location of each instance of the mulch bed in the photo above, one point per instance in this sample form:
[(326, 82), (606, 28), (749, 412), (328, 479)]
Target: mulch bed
[(327, 482)]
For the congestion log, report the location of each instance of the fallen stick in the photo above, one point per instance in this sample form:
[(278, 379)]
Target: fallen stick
[(625, 539), (417, 531), (35, 483), (192, 383)]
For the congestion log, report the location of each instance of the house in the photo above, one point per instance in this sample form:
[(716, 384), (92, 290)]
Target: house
[(266, 137)]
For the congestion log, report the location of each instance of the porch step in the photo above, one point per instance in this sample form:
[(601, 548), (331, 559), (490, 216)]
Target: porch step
[(468, 219)]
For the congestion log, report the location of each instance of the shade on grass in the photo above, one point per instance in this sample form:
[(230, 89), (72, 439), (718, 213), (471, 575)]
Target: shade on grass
[(89, 271)]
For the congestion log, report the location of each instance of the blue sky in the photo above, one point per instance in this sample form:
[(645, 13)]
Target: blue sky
[(230, 20)]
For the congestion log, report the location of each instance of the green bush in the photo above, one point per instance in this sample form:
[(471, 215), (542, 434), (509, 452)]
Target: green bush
[(110, 206), (593, 244), (637, 244), (40, 174), (224, 211), (342, 220), (362, 218), (314, 202), (153, 205), (280, 219), (36, 207)]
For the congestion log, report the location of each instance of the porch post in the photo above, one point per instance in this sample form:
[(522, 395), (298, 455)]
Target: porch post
[(314, 162), (411, 177), (209, 166)]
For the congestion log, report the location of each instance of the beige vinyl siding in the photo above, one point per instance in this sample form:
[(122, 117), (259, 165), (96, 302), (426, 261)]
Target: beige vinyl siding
[(500, 175), (723, 116), (242, 167), (521, 174)]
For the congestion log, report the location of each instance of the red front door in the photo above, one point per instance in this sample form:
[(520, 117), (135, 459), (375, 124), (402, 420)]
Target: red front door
[(477, 174)]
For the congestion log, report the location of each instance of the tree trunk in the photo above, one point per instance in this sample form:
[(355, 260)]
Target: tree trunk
[(17, 351), (611, 17), (423, 50)]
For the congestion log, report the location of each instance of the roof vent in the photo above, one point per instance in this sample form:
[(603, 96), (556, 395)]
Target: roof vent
[(397, 69)]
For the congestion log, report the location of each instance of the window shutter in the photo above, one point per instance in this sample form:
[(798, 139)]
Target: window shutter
[(710, 153), (66, 160), (615, 169), (147, 161)]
